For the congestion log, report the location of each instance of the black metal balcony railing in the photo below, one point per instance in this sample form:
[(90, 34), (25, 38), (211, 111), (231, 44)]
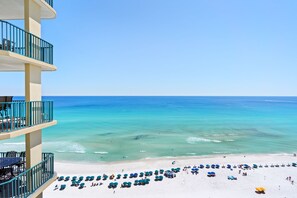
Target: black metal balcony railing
[(21, 114), (27, 182), (17, 40), (50, 2)]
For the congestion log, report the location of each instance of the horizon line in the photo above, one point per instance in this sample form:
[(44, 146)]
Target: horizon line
[(168, 95)]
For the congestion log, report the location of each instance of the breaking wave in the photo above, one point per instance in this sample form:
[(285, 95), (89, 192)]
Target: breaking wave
[(193, 140)]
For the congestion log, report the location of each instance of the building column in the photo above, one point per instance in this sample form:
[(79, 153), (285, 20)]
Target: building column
[(32, 88), (32, 83), (33, 93)]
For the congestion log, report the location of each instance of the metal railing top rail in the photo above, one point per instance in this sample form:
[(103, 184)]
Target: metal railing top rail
[(15, 39), (18, 154), (27, 182)]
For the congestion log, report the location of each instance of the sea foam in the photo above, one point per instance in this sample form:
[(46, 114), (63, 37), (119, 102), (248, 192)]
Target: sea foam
[(66, 147), (101, 152), (193, 140)]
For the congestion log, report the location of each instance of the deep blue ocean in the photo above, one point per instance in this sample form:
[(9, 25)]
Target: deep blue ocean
[(131, 128)]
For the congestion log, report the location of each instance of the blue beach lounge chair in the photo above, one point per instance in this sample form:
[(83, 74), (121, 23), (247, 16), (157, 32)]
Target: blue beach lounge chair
[(63, 186), (61, 178), (81, 186), (73, 178)]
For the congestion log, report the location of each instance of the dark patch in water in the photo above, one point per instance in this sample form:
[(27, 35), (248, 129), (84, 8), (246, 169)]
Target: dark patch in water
[(257, 132), (105, 134), (138, 137)]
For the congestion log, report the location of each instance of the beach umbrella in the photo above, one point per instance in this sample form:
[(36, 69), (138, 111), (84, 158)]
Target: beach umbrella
[(263, 189), (260, 189)]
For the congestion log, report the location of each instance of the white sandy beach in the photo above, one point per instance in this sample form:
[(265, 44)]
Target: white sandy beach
[(185, 184)]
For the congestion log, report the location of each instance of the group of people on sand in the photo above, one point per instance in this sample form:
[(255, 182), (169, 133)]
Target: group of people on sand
[(96, 184), (290, 180), (243, 173)]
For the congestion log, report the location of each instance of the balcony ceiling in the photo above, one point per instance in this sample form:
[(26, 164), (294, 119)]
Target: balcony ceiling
[(10, 62), (14, 9)]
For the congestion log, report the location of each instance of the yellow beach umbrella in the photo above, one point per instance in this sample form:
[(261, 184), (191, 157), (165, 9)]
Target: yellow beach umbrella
[(260, 189)]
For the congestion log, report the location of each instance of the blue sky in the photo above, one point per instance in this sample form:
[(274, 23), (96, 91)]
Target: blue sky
[(170, 47)]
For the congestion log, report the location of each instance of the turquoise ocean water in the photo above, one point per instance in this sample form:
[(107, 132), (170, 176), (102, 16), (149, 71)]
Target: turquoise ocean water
[(130, 128)]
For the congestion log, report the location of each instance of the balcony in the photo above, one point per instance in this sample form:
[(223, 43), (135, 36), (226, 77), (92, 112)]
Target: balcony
[(18, 117), (50, 2), (14, 9), (19, 182), (18, 47)]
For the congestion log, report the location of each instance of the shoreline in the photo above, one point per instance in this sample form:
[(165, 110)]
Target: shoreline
[(174, 158)]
